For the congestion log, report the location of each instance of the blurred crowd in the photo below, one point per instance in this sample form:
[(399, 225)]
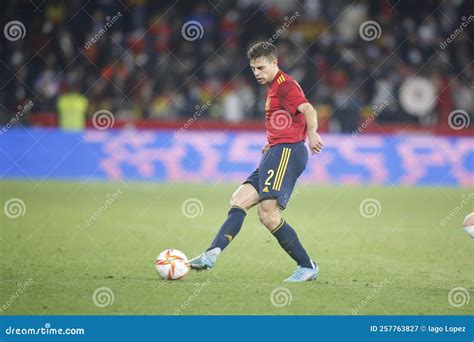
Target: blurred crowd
[(165, 59)]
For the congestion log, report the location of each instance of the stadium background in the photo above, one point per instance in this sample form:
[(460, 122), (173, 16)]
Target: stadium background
[(101, 94), (141, 66)]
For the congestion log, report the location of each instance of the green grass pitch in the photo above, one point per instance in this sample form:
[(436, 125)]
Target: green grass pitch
[(402, 261)]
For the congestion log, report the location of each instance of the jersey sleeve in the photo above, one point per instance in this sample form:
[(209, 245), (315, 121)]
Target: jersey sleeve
[(291, 96)]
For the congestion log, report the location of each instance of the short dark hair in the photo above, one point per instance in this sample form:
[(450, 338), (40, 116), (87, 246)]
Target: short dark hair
[(262, 49)]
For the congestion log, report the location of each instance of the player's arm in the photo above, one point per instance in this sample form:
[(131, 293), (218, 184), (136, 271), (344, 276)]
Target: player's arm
[(314, 140)]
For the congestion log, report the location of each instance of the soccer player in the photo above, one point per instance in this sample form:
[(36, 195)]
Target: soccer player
[(290, 118)]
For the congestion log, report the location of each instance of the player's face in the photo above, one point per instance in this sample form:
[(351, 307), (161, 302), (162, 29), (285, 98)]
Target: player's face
[(264, 69)]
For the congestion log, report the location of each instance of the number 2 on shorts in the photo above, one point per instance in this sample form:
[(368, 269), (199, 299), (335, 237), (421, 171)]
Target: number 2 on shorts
[(270, 173)]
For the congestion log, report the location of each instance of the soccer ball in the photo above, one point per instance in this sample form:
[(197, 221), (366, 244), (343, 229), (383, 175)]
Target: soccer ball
[(469, 224), (172, 264)]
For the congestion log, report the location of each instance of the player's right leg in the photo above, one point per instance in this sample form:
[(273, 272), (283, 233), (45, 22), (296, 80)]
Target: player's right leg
[(244, 198)]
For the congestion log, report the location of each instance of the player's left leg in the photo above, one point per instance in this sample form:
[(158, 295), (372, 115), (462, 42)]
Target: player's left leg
[(269, 213), (279, 171)]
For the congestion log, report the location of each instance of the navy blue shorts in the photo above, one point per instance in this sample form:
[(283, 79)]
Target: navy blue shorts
[(278, 171)]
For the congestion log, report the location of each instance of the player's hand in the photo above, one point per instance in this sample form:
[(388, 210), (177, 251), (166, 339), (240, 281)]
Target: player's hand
[(265, 147), (315, 142)]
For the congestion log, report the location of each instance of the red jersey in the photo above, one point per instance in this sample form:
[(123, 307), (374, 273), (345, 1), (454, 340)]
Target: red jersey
[(283, 121)]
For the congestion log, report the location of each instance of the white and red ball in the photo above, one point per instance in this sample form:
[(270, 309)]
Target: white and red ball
[(172, 264), (468, 224)]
